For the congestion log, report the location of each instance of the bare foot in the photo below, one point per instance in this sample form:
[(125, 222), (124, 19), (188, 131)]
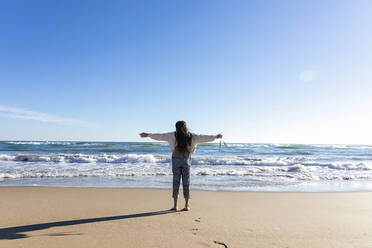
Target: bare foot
[(173, 209), (186, 209)]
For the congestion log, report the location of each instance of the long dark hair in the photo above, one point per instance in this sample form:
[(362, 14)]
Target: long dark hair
[(183, 138)]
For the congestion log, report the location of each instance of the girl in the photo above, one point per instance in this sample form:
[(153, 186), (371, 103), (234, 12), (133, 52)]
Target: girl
[(183, 144)]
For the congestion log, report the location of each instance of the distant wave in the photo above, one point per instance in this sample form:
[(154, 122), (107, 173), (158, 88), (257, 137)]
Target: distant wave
[(315, 146), (300, 148), (40, 142), (48, 143)]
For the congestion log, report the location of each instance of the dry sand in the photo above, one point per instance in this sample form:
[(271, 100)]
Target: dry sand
[(36, 217)]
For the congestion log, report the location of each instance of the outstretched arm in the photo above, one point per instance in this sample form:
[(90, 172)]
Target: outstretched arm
[(157, 136), (205, 138)]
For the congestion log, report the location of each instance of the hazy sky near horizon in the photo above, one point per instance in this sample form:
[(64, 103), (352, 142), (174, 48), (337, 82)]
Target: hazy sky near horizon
[(257, 71)]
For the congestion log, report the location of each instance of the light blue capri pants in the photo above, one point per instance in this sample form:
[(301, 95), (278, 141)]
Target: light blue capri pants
[(181, 169)]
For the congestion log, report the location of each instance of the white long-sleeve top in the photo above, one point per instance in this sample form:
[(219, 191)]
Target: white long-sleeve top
[(171, 139)]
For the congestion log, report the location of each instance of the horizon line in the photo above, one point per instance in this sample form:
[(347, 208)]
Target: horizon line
[(233, 142)]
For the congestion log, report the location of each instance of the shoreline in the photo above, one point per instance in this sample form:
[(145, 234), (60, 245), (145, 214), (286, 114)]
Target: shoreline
[(305, 187), (191, 190), (108, 217)]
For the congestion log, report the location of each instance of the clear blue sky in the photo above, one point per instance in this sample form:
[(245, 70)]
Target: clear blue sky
[(257, 71)]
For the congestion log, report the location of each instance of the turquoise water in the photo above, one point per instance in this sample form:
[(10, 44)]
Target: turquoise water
[(240, 166)]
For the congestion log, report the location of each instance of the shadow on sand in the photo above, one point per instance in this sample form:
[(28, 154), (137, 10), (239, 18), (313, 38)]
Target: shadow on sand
[(17, 231)]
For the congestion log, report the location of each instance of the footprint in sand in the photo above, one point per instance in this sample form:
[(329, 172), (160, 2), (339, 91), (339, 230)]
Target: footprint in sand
[(194, 230)]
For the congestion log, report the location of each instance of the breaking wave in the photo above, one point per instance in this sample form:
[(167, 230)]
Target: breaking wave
[(146, 164)]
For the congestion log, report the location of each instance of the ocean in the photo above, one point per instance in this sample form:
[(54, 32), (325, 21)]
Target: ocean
[(238, 167)]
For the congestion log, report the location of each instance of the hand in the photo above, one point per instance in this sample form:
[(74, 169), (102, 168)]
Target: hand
[(144, 135), (219, 136)]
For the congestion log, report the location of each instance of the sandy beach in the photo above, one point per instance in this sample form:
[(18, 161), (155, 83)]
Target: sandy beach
[(117, 217)]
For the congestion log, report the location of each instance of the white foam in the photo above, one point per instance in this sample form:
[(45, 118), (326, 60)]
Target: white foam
[(235, 170), (81, 158), (246, 161)]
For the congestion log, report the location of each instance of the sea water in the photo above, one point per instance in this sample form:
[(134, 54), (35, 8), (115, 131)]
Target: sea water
[(238, 167)]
